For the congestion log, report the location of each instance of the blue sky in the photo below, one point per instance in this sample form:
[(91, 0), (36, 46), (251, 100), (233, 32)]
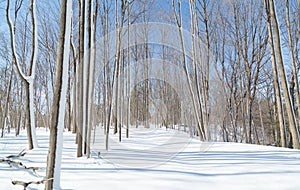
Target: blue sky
[(3, 24), (164, 4)]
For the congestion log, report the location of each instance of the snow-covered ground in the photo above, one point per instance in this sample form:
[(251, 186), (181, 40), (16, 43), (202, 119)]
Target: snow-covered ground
[(157, 159)]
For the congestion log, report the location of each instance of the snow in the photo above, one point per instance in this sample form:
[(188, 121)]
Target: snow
[(157, 158)]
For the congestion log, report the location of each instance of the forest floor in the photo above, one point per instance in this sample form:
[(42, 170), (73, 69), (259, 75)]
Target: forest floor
[(155, 158)]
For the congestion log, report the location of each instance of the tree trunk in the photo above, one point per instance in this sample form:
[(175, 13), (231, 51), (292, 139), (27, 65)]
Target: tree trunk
[(278, 99), (292, 55), (128, 72), (289, 107), (75, 89), (262, 123), (79, 113), (59, 98), (93, 30), (199, 123), (7, 95), (88, 75), (195, 29)]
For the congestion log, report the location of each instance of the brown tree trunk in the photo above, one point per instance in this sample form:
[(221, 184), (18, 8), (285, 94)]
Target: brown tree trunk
[(289, 107), (293, 60), (79, 113), (6, 106), (59, 99), (278, 99)]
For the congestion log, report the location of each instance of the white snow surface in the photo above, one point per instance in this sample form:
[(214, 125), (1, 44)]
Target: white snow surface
[(156, 158)]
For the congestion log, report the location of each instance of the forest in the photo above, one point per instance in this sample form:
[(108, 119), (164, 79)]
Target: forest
[(221, 71)]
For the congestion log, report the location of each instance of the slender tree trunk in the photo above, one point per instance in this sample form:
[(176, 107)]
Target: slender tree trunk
[(87, 75), (119, 30), (195, 29), (121, 97), (289, 107), (292, 55), (6, 106), (91, 84), (79, 115), (262, 123), (278, 98), (179, 22), (75, 89), (206, 73), (279, 106), (69, 110), (115, 76), (128, 71), (28, 117)]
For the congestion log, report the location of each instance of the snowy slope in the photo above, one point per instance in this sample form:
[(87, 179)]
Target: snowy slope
[(157, 159)]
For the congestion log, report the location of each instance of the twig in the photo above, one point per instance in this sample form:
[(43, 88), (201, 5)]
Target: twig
[(21, 154)]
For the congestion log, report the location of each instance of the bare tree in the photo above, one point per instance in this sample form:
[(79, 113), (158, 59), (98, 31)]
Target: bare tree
[(197, 41), (294, 80), (28, 79), (178, 19), (276, 81), (270, 7)]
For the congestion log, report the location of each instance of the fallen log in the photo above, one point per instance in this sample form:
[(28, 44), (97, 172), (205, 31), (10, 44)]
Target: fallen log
[(26, 184), (12, 163)]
